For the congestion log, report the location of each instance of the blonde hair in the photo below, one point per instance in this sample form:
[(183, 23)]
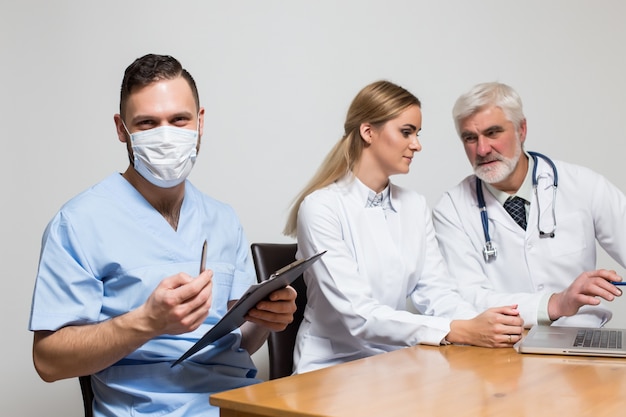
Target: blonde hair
[(376, 103)]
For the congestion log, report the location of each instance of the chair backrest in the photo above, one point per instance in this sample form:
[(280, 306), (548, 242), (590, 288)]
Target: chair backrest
[(269, 258), (87, 391)]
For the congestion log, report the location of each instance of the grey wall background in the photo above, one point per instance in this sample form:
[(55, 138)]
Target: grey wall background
[(276, 78)]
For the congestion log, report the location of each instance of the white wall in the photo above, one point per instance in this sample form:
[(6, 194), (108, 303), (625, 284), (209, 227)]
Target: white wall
[(276, 78)]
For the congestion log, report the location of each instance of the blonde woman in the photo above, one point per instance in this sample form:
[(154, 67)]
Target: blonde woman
[(381, 247)]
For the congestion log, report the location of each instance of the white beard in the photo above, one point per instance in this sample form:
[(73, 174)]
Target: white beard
[(498, 171)]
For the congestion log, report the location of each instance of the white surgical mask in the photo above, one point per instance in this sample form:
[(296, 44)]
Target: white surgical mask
[(164, 155)]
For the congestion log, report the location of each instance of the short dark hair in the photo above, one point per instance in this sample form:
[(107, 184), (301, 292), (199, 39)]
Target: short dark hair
[(151, 68)]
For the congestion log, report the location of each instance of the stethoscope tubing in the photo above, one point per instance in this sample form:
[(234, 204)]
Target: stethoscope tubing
[(489, 250)]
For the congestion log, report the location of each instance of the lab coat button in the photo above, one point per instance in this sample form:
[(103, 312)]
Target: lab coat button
[(539, 287)]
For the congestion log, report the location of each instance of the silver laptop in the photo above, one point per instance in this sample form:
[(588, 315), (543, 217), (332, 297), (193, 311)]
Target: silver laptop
[(582, 341)]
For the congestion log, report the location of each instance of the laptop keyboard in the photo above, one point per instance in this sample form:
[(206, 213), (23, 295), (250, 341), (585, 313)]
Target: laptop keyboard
[(599, 338)]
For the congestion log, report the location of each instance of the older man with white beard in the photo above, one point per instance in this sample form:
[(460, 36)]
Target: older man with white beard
[(522, 229)]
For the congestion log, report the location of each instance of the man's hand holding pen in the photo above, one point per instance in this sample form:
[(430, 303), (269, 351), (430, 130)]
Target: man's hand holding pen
[(180, 303)]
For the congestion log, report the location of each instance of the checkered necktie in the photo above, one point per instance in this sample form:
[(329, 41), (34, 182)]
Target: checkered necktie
[(516, 208)]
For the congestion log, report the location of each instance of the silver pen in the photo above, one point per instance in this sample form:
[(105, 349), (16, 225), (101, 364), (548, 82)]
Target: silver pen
[(203, 258)]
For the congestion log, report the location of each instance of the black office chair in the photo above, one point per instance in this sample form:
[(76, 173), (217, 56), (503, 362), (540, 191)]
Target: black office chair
[(87, 391), (269, 258)]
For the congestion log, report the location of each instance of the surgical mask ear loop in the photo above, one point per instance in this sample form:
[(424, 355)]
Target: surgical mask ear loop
[(129, 144), (125, 128), (198, 132)]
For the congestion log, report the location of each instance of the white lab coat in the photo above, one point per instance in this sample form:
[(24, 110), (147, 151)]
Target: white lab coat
[(357, 291), (527, 267)]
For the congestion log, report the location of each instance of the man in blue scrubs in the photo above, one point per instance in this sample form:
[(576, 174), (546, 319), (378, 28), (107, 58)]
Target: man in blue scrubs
[(118, 294)]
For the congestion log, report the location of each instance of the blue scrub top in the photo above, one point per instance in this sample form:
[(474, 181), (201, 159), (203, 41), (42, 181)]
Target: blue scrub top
[(103, 254)]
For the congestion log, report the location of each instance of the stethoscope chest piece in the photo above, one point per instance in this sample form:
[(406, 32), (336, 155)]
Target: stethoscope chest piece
[(489, 251)]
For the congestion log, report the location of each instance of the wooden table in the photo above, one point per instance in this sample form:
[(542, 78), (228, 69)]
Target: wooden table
[(441, 381)]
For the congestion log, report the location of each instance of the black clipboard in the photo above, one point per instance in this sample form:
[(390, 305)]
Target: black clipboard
[(257, 292)]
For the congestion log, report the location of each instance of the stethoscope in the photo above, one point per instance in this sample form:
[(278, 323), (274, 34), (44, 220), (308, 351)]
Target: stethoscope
[(489, 250)]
